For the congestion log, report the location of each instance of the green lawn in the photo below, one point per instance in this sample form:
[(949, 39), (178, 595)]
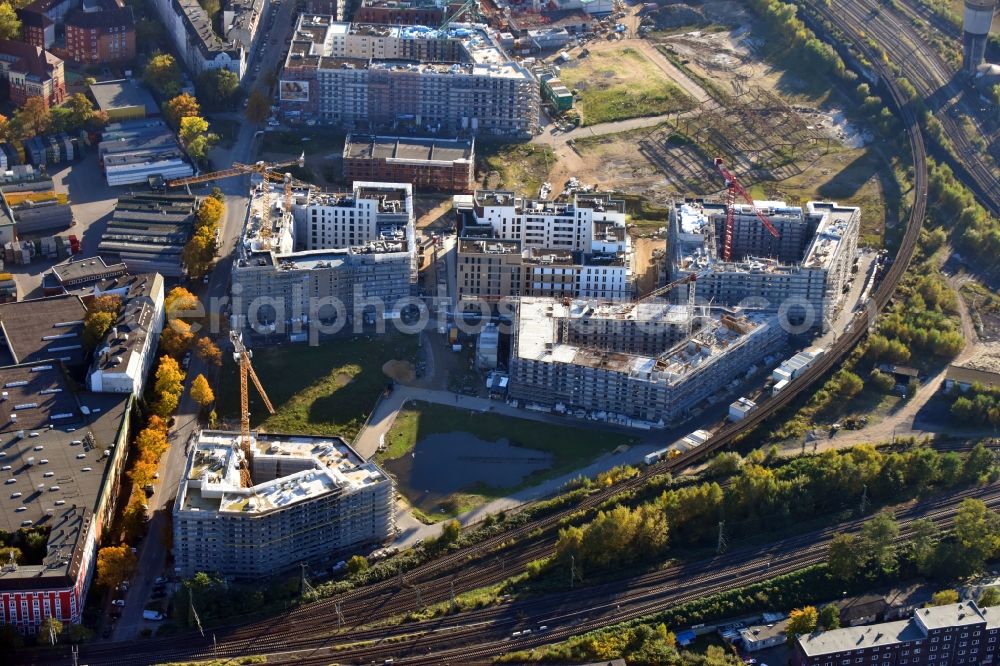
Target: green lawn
[(325, 390), (621, 83), (521, 167), (571, 447)]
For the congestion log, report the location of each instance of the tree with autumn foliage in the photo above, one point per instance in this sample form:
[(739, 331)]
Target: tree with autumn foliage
[(152, 444), (201, 392), (208, 351), (176, 338), (163, 75), (210, 212), (102, 312), (181, 106), (114, 565), (168, 387), (142, 473)]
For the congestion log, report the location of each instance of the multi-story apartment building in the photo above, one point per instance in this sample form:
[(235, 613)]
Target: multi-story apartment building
[(444, 165), (355, 249), (31, 71), (61, 481), (200, 47), (804, 270), (397, 12), (39, 19), (948, 635), (511, 246), (617, 370), (104, 34), (313, 500), (361, 75)]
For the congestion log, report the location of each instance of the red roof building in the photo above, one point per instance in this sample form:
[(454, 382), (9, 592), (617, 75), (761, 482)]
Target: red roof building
[(31, 71), (98, 37)]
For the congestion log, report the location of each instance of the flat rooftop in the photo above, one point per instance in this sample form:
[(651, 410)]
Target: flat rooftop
[(597, 201), (408, 149), (287, 469), (54, 461), (44, 329), (123, 93), (537, 340)]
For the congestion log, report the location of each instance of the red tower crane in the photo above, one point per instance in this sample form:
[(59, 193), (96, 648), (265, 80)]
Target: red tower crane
[(733, 186)]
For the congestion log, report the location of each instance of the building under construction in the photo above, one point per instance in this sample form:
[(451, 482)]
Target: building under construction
[(802, 271), (638, 364), (355, 250), (453, 79), (515, 246), (428, 163), (312, 500)]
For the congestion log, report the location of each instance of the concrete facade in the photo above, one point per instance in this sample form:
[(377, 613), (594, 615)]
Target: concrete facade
[(361, 75), (443, 165), (314, 500)]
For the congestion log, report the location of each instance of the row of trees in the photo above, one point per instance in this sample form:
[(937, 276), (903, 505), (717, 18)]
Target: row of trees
[(979, 406), (975, 232), (877, 550), (37, 117), (182, 111), (760, 494), (200, 251)]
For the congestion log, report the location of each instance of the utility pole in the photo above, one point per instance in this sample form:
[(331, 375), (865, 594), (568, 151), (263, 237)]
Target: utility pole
[(864, 499), (420, 601), (340, 615), (451, 587), (572, 570), (305, 586), (721, 547), (399, 569)]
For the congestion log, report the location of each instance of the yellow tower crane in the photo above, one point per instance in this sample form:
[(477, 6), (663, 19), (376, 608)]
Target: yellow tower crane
[(268, 171), (242, 356)]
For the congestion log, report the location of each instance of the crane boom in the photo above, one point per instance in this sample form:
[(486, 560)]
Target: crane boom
[(733, 186)]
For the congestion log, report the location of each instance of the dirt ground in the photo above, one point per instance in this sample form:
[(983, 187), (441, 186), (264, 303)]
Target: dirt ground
[(400, 371), (649, 256)]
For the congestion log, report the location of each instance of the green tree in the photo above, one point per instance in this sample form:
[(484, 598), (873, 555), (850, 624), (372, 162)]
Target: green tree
[(10, 25), (829, 617), (449, 534), (114, 565), (802, 621), (195, 137), (978, 463), (923, 544), (977, 536), (6, 552), (943, 598), (883, 381), (989, 597), (258, 107), (163, 75), (218, 88), (848, 384), (842, 557), (95, 327), (357, 564)]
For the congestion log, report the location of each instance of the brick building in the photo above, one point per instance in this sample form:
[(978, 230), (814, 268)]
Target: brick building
[(39, 19), (395, 12), (948, 635), (444, 165), (31, 71), (99, 37)]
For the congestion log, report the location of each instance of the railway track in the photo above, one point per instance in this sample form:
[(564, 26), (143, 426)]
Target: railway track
[(930, 75)]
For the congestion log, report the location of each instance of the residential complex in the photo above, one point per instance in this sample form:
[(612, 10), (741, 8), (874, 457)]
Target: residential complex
[(100, 33), (395, 12), (632, 363), (314, 499), (355, 249), (804, 270), (444, 165), (367, 76), (948, 635), (193, 35), (31, 71), (512, 246), (61, 458)]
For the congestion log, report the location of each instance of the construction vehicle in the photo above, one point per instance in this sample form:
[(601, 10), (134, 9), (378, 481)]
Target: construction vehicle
[(242, 357), (732, 188), (268, 171)]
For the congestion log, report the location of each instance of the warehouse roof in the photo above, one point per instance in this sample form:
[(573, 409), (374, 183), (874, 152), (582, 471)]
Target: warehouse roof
[(408, 148), (44, 329)]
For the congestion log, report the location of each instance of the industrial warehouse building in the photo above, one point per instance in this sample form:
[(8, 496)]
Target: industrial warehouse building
[(61, 457), (133, 150), (804, 271), (148, 232), (581, 366), (363, 75), (124, 99), (314, 500), (512, 246), (353, 248), (443, 165)]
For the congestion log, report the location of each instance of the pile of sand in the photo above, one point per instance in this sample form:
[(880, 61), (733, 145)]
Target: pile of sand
[(399, 371)]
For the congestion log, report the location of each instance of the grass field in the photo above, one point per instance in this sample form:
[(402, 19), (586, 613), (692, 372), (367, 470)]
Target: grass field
[(325, 390), (571, 448), (521, 167), (621, 83)]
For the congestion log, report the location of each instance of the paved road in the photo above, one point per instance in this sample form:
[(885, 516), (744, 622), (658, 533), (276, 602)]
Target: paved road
[(153, 550)]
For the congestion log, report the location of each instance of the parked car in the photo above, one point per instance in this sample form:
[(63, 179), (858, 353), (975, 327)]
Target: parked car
[(155, 616), (118, 602)]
